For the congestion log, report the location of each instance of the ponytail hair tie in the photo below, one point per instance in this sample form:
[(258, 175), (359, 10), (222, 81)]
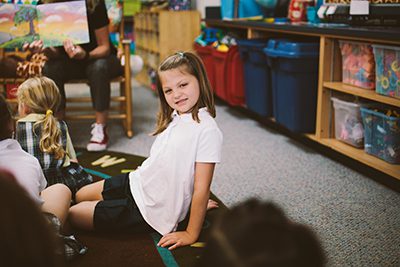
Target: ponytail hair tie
[(49, 112)]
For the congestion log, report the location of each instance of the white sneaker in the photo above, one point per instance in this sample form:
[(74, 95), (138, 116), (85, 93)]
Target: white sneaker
[(99, 139)]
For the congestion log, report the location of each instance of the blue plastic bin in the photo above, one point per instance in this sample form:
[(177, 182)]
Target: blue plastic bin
[(257, 77), (294, 76)]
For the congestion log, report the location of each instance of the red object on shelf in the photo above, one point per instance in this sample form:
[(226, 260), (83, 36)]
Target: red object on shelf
[(205, 53), (11, 91), (298, 10)]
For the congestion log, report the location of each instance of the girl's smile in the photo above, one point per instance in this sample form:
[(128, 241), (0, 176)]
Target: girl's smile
[(181, 89)]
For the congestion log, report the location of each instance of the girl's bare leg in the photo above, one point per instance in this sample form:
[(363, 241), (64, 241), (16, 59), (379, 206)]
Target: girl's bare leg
[(81, 215), (90, 192), (57, 200)]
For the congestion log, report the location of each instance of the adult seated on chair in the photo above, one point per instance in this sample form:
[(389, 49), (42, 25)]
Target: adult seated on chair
[(97, 61)]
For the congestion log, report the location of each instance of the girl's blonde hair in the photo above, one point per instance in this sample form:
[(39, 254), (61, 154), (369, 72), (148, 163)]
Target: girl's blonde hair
[(41, 96), (190, 63)]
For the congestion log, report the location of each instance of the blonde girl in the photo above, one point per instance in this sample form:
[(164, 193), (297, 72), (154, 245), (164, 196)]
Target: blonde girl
[(177, 175), (46, 138)]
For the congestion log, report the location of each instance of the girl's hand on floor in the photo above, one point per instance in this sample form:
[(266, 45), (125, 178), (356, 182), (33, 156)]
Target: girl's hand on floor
[(212, 204), (176, 239)]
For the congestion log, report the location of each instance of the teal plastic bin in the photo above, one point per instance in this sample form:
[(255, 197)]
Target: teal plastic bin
[(381, 135)]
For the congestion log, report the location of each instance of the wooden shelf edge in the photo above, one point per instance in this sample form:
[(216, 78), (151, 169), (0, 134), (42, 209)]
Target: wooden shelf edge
[(364, 93), (359, 155)]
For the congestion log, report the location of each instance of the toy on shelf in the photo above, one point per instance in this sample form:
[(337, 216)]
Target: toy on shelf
[(348, 122), (298, 10), (387, 60), (358, 64), (352, 131), (382, 133)]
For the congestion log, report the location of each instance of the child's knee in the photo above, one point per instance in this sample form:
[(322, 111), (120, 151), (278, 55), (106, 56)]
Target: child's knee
[(81, 214), (80, 195), (63, 190), (90, 192)]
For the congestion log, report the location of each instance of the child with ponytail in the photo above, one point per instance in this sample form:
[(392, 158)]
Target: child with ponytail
[(43, 136)]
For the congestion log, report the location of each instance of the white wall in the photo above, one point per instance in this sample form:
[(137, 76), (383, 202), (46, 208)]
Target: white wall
[(201, 5)]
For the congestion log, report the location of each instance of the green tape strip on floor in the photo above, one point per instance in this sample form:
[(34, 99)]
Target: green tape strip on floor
[(165, 254), (99, 174)]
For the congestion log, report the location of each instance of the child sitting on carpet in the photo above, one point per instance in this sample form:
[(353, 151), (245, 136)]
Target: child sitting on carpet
[(178, 173), (258, 233), (46, 138), (54, 199)]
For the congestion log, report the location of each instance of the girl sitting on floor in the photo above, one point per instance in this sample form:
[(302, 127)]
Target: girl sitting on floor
[(54, 200), (27, 171), (177, 175), (43, 136)]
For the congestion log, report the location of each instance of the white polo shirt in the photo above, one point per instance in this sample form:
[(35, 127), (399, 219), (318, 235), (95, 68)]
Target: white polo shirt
[(163, 185), (25, 167)]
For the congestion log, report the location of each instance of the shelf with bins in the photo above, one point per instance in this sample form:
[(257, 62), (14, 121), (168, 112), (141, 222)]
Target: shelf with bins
[(367, 94), (359, 155), (161, 33), (330, 76), (329, 83)]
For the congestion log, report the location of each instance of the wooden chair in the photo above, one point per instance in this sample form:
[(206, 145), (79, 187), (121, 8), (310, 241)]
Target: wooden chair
[(123, 110), (81, 109)]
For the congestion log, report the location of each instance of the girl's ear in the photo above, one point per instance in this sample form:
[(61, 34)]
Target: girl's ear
[(23, 110)]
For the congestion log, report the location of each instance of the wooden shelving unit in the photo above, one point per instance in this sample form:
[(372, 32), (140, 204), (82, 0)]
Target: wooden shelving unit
[(330, 71), (367, 94), (161, 33), (330, 76), (359, 155)]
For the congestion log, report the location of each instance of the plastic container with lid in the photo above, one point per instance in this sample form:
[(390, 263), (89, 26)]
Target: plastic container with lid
[(294, 76), (257, 77)]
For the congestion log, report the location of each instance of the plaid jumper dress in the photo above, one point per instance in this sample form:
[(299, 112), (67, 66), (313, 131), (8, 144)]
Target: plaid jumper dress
[(73, 176)]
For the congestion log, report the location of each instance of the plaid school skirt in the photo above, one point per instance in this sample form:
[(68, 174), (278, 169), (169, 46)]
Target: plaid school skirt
[(73, 176)]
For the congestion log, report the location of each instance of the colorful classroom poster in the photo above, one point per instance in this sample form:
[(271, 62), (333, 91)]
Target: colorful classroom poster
[(52, 23)]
